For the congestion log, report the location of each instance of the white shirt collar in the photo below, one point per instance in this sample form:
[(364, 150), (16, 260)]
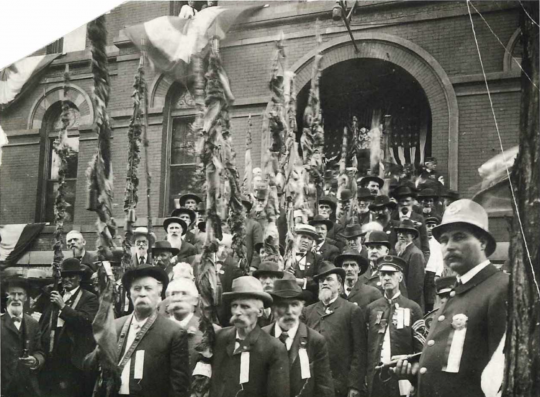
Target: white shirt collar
[(473, 272), (184, 323), (69, 294), (139, 323)]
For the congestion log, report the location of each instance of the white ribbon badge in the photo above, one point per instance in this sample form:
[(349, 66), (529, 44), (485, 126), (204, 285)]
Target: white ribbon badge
[(459, 323)]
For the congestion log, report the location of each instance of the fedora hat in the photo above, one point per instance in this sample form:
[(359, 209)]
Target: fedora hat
[(187, 196), (428, 193), (467, 212), (248, 287), (364, 193), (365, 180), (178, 211), (289, 289), (404, 191), (307, 230), (164, 246), (71, 266), (135, 273), (381, 202), (391, 263), (351, 231), (174, 219), (143, 231), (329, 200), (329, 268), (377, 237), (408, 226), (319, 220), (354, 255), (268, 267), (446, 284)]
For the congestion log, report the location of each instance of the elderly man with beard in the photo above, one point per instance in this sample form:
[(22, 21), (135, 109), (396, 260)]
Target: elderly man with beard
[(309, 365), (247, 361), (153, 350), (189, 217), (22, 352), (77, 244), (395, 328), (325, 247), (142, 240), (414, 270), (342, 325), (471, 324), (306, 264), (356, 291), (163, 254), (176, 228)]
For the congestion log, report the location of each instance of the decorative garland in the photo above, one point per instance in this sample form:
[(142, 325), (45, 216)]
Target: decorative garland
[(247, 182)]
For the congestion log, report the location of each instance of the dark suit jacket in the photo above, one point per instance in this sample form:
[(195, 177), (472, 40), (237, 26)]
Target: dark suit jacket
[(483, 301), (89, 258), (333, 234), (313, 261), (268, 366), (422, 242), (147, 259), (363, 294), (414, 273), (15, 376), (254, 235), (320, 384), (166, 359), (194, 336), (329, 251), (186, 252), (345, 334)]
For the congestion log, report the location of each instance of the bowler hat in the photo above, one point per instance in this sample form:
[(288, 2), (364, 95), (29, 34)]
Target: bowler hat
[(320, 220), (269, 268), (351, 231), (403, 191), (185, 197), (174, 219), (365, 180), (364, 193), (289, 289), (377, 237), (178, 211), (329, 268), (260, 194), (248, 287), (428, 193), (408, 226), (345, 195), (466, 212), (135, 273), (329, 200), (307, 230), (71, 266), (143, 231), (354, 255), (445, 284), (391, 263), (381, 202), (164, 246)]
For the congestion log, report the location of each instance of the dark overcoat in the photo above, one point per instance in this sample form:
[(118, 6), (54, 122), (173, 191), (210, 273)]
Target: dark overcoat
[(414, 273)]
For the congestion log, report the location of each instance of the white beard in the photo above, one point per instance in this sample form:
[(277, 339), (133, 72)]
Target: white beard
[(400, 246), (325, 295), (175, 241)]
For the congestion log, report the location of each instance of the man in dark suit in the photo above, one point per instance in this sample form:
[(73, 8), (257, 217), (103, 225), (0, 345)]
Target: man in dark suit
[(77, 244), (364, 198), (73, 338), (189, 217), (163, 254), (247, 361), (356, 291), (142, 240), (307, 262), (22, 353), (471, 324), (325, 248), (176, 228), (354, 236), (309, 365), (342, 325), (327, 210), (414, 270), (153, 350), (254, 233)]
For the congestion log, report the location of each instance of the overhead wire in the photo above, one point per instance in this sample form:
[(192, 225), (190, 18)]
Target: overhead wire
[(528, 15)]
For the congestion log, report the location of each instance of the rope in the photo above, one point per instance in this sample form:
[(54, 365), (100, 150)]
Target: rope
[(528, 15), (502, 151)]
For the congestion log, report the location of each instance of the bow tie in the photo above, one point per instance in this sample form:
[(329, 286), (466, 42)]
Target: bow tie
[(17, 319)]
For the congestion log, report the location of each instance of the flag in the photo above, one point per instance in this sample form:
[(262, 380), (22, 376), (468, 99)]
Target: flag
[(16, 239), (18, 77), (170, 42)]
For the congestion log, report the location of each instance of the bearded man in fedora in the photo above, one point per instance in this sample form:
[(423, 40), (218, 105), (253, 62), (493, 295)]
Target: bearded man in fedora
[(247, 361), (471, 324)]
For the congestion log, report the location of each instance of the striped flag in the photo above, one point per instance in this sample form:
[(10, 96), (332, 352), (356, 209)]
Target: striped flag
[(16, 78), (170, 42), (16, 239)]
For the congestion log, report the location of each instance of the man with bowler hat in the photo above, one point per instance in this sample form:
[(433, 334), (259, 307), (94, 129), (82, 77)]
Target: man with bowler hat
[(469, 327), (309, 365), (247, 361)]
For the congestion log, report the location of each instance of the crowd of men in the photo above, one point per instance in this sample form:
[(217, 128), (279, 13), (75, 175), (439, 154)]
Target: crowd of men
[(386, 296)]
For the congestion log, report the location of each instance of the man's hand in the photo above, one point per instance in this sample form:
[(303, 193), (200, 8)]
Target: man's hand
[(30, 361), (353, 393), (56, 298), (406, 370)]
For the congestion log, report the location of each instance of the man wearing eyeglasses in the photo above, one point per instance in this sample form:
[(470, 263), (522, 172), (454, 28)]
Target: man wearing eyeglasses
[(142, 240)]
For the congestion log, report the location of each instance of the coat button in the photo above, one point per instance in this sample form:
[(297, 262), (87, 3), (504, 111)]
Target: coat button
[(452, 294), (431, 343), (441, 318), (423, 370)]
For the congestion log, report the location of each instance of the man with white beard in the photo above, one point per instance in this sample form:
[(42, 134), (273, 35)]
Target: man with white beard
[(342, 325), (176, 228), (77, 244)]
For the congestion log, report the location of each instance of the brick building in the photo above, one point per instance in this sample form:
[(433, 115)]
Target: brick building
[(416, 60)]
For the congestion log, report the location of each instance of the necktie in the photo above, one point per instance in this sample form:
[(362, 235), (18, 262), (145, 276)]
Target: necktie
[(141, 260), (283, 337), (17, 322), (238, 349)]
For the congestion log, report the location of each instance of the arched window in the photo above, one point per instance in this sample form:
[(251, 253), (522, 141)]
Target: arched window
[(50, 163)]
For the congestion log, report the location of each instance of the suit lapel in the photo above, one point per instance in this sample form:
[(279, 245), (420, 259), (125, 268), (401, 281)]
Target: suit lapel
[(6, 319), (320, 309), (231, 340), (479, 278)]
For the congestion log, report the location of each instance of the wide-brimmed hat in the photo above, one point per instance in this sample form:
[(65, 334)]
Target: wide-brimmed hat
[(38, 277), (444, 285), (15, 281), (364, 193), (428, 193), (248, 287), (327, 268), (329, 200), (365, 180), (449, 193), (362, 262), (351, 231), (433, 219), (403, 191), (135, 273), (307, 230), (164, 246), (143, 231), (175, 219), (179, 211), (391, 263), (72, 266), (467, 212), (408, 226), (320, 220), (187, 196), (345, 195), (377, 237), (289, 289), (269, 268), (381, 202)]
